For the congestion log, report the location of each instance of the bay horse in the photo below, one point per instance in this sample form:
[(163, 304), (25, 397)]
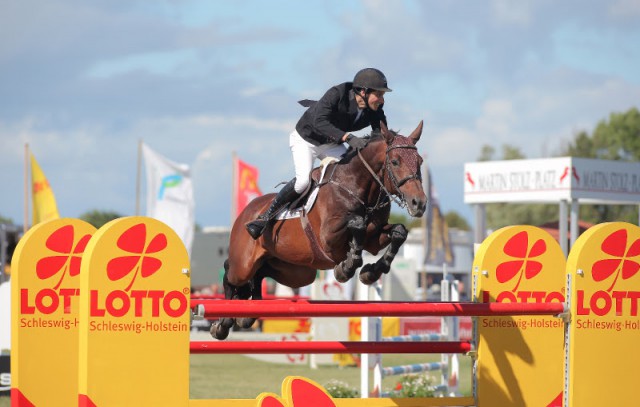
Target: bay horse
[(350, 214)]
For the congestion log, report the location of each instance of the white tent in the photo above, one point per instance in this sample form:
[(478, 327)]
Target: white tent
[(568, 181)]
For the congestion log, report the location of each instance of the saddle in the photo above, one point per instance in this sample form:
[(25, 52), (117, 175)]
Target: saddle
[(305, 202)]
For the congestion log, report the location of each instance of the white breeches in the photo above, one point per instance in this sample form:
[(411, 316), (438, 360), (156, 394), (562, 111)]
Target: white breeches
[(304, 155)]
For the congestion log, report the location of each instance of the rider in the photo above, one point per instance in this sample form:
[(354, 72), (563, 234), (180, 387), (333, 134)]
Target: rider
[(322, 130)]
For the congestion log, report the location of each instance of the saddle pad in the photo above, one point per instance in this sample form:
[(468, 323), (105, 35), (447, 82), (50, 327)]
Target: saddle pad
[(297, 212)]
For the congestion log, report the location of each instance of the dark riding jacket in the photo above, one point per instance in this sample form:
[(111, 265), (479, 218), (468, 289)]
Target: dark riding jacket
[(327, 120)]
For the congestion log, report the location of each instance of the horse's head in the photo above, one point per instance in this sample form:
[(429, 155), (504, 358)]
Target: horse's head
[(402, 169)]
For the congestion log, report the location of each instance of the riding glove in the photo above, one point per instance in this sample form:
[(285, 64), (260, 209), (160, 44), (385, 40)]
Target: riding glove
[(356, 142)]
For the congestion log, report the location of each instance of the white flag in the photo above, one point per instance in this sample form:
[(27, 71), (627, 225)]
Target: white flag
[(170, 194)]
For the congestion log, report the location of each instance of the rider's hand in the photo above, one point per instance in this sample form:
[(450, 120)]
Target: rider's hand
[(356, 142)]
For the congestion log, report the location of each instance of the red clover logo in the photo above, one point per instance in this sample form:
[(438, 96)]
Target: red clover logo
[(133, 240), (518, 248), (615, 245), (62, 241)]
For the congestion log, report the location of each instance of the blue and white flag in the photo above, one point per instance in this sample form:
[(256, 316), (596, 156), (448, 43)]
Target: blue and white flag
[(170, 194)]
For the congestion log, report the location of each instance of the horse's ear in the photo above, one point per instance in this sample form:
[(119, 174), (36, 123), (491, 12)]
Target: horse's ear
[(388, 136), (415, 136)]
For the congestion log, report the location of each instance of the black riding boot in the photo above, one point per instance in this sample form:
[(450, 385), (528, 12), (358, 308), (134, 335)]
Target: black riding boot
[(286, 195)]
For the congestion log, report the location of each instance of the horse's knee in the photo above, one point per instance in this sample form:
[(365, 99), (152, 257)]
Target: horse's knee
[(356, 224), (233, 291), (357, 228), (399, 233)]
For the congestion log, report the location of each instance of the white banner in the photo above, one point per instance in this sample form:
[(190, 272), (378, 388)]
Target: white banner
[(170, 194), (552, 180)]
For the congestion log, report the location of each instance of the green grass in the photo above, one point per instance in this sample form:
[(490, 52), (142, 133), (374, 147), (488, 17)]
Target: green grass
[(216, 376), (237, 376)]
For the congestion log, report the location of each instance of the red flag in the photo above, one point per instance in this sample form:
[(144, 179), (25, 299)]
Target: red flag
[(247, 188)]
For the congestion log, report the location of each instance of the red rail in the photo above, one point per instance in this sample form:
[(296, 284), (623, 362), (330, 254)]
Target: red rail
[(320, 347), (220, 296), (283, 308)]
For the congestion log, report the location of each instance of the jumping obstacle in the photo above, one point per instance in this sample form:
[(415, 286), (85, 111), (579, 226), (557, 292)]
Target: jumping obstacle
[(279, 308), (448, 365), (415, 338), (134, 318), (324, 347)]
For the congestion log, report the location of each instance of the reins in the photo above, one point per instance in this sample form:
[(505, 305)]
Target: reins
[(381, 202)]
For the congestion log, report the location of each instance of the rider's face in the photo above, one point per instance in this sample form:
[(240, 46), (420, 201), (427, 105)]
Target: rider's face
[(376, 98)]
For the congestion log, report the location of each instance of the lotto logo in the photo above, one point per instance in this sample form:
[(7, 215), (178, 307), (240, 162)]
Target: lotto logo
[(617, 262), (62, 265), (142, 260), (521, 260)]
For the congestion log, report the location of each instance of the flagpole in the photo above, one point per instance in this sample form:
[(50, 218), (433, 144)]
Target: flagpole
[(427, 190), (26, 188), (138, 175), (234, 186)]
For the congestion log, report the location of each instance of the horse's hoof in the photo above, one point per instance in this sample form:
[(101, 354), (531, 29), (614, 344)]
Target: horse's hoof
[(369, 274), (227, 323), (246, 323), (340, 274), (218, 331)]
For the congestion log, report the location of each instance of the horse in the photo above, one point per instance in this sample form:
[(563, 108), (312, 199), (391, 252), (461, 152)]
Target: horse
[(350, 214)]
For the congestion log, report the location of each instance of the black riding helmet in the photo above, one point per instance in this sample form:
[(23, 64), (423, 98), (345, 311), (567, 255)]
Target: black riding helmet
[(371, 79)]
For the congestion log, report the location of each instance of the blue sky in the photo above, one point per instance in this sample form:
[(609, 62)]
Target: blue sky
[(82, 82)]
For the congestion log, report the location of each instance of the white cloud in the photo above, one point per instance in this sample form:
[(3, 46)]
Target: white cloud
[(512, 12), (198, 81), (495, 123), (625, 9), (452, 146)]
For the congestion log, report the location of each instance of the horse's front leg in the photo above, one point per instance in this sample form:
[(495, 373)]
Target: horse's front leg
[(347, 268), (394, 236), (220, 328), (256, 294)]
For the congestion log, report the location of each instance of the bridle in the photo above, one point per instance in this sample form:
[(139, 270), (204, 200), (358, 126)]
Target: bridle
[(381, 202), (398, 197)]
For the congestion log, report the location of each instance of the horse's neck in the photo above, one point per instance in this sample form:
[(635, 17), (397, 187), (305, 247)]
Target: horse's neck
[(355, 176)]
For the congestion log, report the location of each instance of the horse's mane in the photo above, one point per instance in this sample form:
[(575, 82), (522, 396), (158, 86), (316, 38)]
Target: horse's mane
[(374, 137)]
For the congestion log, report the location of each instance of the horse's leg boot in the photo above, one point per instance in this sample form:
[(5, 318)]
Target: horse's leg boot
[(286, 195)]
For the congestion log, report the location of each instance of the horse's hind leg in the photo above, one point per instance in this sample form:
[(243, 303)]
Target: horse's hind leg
[(220, 328), (370, 273), (347, 268), (256, 294)]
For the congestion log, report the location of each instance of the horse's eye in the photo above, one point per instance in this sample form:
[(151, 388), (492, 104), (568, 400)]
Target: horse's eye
[(395, 163)]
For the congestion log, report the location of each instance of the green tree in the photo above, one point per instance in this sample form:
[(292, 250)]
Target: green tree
[(98, 218), (455, 220), (410, 223), (582, 146), (503, 214), (617, 138), (487, 152), (6, 220)]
